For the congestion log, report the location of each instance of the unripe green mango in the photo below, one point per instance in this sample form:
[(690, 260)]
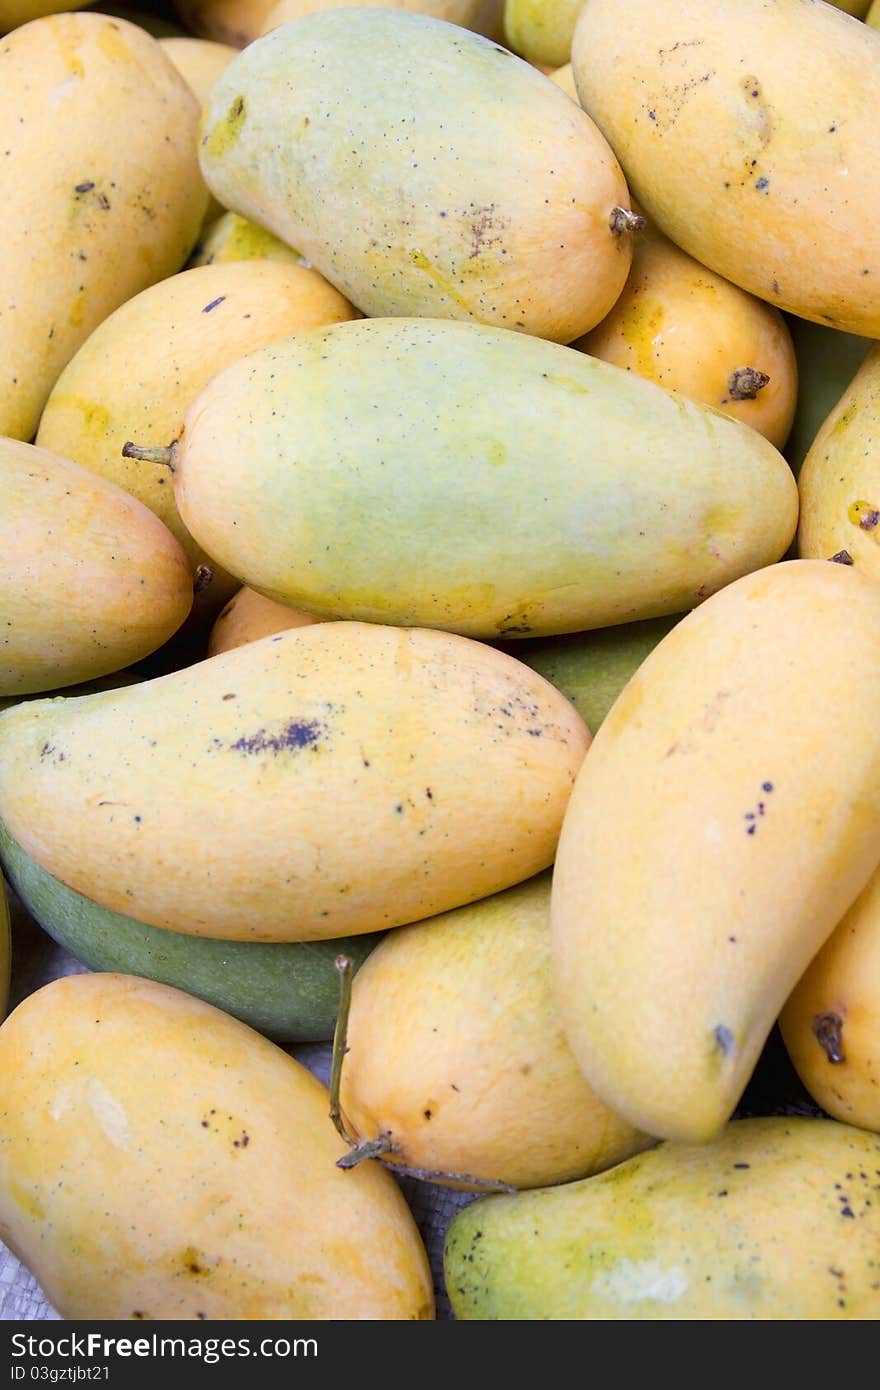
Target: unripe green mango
[(777, 1218), (430, 473), (287, 990), (498, 201), (827, 361)]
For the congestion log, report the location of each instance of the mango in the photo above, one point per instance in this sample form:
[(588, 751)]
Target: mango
[(161, 1160), (333, 121), (14, 13), (872, 17), (541, 30), (724, 820), (138, 371), (234, 238), (553, 492), (778, 1218), (749, 133), (90, 579), (456, 1059), (827, 360), (483, 16), (830, 1023), (679, 324), (78, 199), (377, 775), (5, 949), (248, 616), (199, 62), (233, 22), (287, 990), (838, 477)]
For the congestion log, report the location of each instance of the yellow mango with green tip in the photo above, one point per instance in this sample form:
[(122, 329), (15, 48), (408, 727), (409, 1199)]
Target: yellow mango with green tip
[(725, 818), (100, 186), (778, 1218), (161, 1160), (376, 774), (333, 120), (234, 238), (90, 579), (838, 483), (552, 493), (749, 133)]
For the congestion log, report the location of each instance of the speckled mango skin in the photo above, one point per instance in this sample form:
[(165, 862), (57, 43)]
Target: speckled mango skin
[(688, 329), (159, 1159), (838, 482), (90, 219), (334, 121), (90, 579), (138, 371), (749, 133), (248, 616), (830, 1023), (377, 775), (778, 1218), (725, 818), (440, 474)]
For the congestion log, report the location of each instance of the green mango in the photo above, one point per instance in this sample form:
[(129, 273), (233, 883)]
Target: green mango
[(591, 668), (827, 361), (748, 1226), (287, 991)]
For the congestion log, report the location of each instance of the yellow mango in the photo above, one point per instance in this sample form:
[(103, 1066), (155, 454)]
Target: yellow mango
[(838, 483), (5, 949), (100, 188), (234, 238), (90, 579), (247, 616), (776, 1219), (234, 22), (483, 16), (872, 16), (690, 330), (199, 62), (723, 821), (138, 371), (541, 30), (14, 13), (827, 361), (376, 775), (553, 492), (455, 1055), (161, 1160), (564, 77), (749, 133), (830, 1023), (333, 120)]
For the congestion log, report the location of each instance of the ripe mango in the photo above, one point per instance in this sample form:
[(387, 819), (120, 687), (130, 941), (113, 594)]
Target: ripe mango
[(90, 218), (776, 1218), (456, 1057), (553, 492), (90, 579), (541, 30), (333, 121), (199, 62), (160, 1160), (724, 820), (248, 616), (749, 133), (5, 949), (377, 775), (483, 16)]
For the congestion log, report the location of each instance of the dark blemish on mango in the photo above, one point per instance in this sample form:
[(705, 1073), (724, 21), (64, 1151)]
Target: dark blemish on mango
[(828, 1032), (762, 184), (723, 1039), (214, 302), (766, 786), (842, 557), (84, 187), (427, 1114), (229, 696), (742, 1165), (298, 734), (864, 515)]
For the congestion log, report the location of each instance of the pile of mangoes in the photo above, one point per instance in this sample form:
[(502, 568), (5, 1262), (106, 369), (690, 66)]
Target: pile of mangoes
[(440, 615)]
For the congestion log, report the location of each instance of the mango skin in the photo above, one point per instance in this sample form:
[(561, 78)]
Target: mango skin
[(379, 775), (710, 108), (5, 949), (333, 120), (199, 62), (90, 579), (541, 31), (14, 13), (234, 238), (289, 991), (830, 1023), (159, 1160), (482, 16), (827, 361), (69, 83), (837, 484), (756, 813), (747, 1226), (554, 493), (248, 616), (454, 1052)]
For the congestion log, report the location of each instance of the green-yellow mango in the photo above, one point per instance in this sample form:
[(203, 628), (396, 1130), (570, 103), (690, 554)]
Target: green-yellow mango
[(90, 579), (749, 132), (100, 189), (161, 1160), (827, 360), (830, 1023), (838, 483), (333, 121), (541, 30), (456, 1059), (873, 15), (724, 820), (777, 1218), (287, 990), (234, 238), (138, 371), (376, 775), (533, 489)]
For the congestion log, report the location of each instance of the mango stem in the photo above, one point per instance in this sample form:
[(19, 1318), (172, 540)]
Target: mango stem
[(165, 454), (744, 383), (624, 220), (345, 970)]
